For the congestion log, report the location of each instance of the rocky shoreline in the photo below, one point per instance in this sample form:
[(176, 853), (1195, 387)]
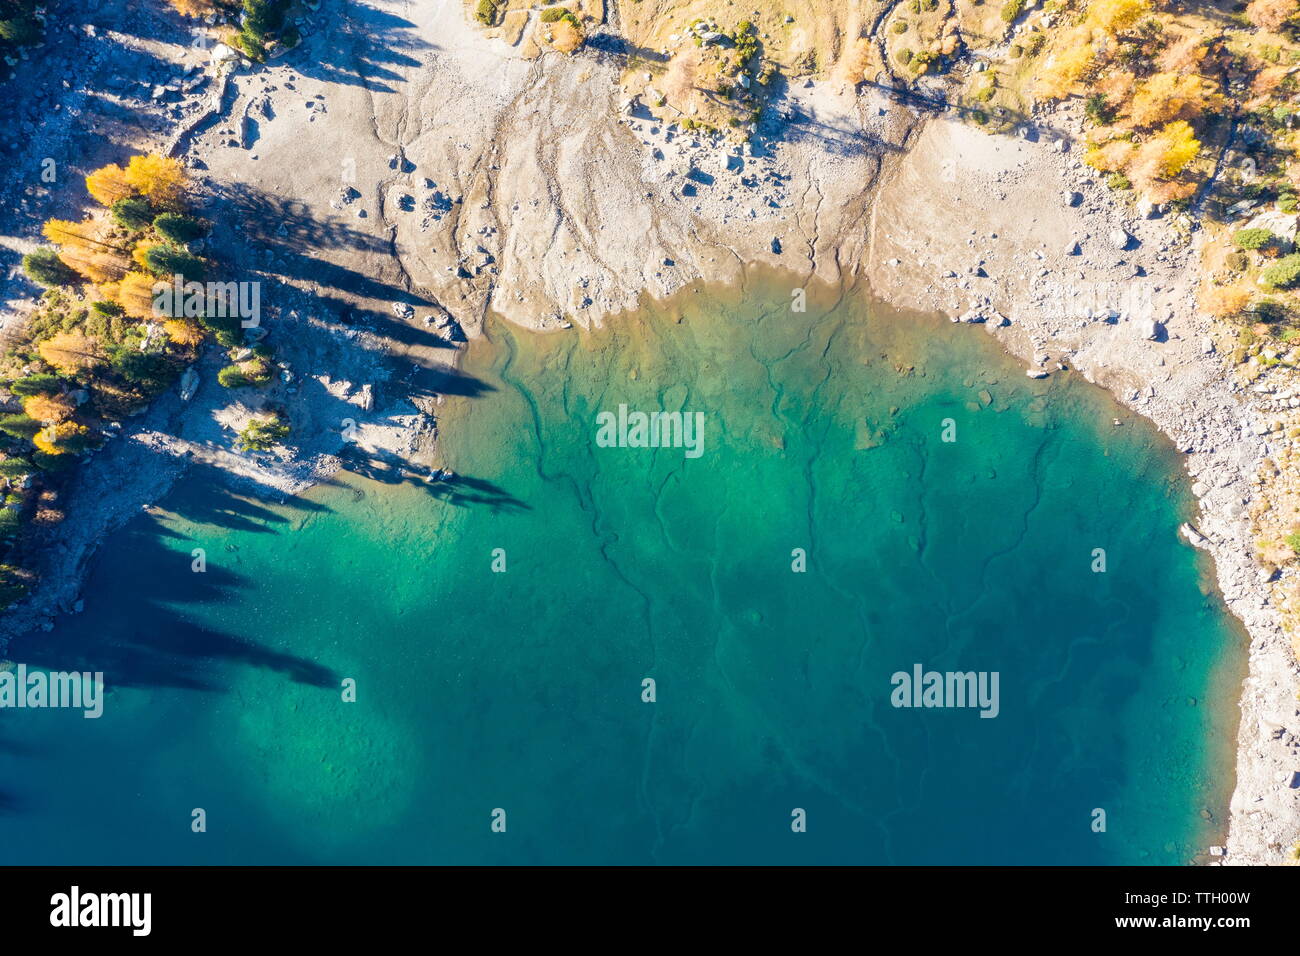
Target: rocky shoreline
[(460, 178), (1082, 283)]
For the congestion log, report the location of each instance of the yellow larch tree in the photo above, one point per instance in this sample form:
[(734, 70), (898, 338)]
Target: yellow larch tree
[(95, 264), (135, 294), (183, 331), (1115, 16), (1176, 145), (1272, 14), (1161, 158), (88, 232), (1064, 68), (89, 248), (1223, 301), (49, 409), (194, 8), (566, 37), (1166, 97), (140, 251), (1111, 156), (71, 352), (61, 438), (161, 178), (108, 184)]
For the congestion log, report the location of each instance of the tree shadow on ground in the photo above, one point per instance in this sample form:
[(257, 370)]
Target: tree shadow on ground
[(616, 49), (280, 223), (235, 512), (106, 94), (381, 323), (364, 47), (282, 239), (1000, 120)]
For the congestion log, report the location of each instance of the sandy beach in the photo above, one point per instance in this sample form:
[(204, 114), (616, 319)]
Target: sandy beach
[(404, 172)]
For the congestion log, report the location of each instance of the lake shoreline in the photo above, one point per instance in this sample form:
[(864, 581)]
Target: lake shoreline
[(678, 569), (927, 172)]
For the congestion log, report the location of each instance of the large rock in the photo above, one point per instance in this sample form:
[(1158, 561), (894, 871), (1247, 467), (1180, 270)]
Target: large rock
[(1281, 224), (224, 54), (1146, 209), (189, 383)]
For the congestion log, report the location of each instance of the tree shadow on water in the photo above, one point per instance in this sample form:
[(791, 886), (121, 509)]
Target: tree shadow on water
[(453, 489), (135, 628), (9, 804), (462, 490), (138, 627), (234, 512), (451, 381), (392, 329)]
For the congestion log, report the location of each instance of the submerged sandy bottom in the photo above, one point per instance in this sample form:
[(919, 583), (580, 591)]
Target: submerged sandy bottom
[(521, 690)]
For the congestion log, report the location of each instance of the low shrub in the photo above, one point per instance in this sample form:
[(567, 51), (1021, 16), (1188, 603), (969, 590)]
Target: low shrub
[(1253, 239), (1283, 274), (262, 434)]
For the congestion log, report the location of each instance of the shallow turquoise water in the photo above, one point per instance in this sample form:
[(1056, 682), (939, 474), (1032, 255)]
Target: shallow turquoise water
[(521, 690)]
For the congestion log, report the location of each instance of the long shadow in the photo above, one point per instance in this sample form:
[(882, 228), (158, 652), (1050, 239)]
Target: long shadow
[(278, 222), (1218, 12), (285, 231), (451, 381), (296, 265), (88, 131), (462, 491), (281, 238), (381, 323), (843, 140), (361, 46), (235, 512), (1032, 128), (616, 49), (153, 643), (459, 490)]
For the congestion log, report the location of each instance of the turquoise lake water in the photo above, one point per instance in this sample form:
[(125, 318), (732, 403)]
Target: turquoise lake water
[(522, 690)]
